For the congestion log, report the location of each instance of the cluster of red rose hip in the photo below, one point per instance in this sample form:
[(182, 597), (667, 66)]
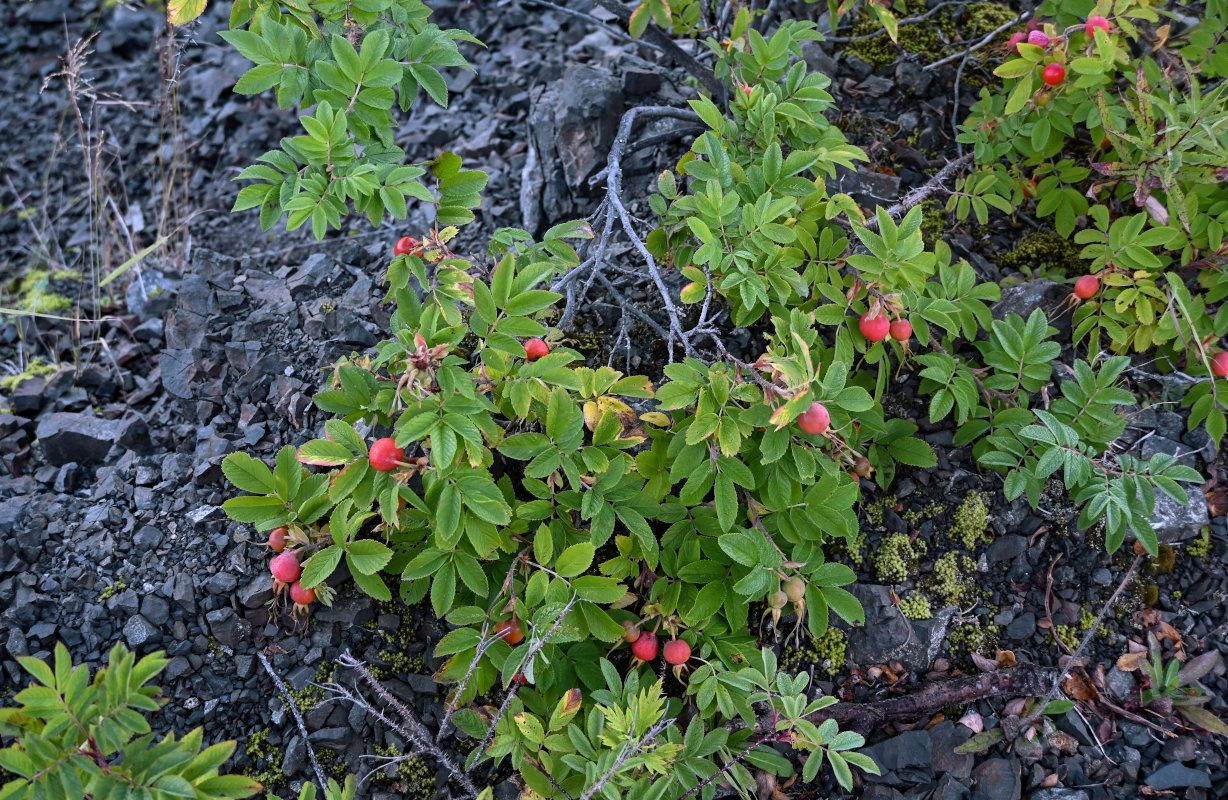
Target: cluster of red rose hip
[(384, 456), (1054, 72)]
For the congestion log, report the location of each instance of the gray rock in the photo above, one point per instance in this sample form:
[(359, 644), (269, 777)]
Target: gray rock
[(81, 438), (1160, 444), (422, 684), (1024, 298), (316, 270), (1057, 794), (950, 788), (888, 634), (1022, 627), (1005, 548), (1176, 776), (572, 122), (258, 592), (332, 738), (1120, 684), (903, 759), (1183, 748), (155, 609), (1174, 522), (300, 678), (295, 760), (996, 779), (221, 583), (147, 538), (138, 631), (228, 627), (944, 738)]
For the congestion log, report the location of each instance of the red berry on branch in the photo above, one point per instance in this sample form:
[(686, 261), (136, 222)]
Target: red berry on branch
[(301, 596), (385, 455), (1219, 365), (874, 328), (285, 568), (814, 420), (1097, 22), (408, 246), (645, 648), (901, 330), (1054, 74), (677, 652), (1086, 287), (535, 349)]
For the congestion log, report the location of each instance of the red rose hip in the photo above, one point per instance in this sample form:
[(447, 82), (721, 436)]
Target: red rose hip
[(535, 349), (901, 330), (277, 539), (677, 652), (874, 328), (645, 648), (509, 631), (385, 455), (408, 246), (814, 420), (1038, 38), (1013, 45), (301, 596), (1054, 74), (1097, 22), (1219, 365), (1086, 287), (285, 568)]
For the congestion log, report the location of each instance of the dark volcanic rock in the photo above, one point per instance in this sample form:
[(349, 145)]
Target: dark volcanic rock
[(81, 438)]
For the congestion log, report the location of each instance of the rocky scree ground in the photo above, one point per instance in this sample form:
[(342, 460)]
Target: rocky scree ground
[(110, 488)]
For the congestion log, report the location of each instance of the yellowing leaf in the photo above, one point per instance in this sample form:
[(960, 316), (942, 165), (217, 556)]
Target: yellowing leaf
[(181, 12)]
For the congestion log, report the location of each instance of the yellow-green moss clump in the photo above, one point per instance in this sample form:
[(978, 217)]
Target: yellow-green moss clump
[(916, 606), (1071, 635), (971, 521), (1040, 250), (953, 583), (34, 293), (1202, 545), (832, 649), (260, 752), (310, 696), (874, 511), (896, 557), (416, 778), (932, 509), (37, 368), (973, 637)]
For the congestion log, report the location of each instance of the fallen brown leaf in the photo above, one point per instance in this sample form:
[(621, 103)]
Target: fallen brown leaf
[(1005, 658), (1078, 687)]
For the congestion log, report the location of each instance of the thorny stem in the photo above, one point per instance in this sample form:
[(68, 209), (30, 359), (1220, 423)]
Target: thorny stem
[(751, 743), (918, 195), (298, 718), (528, 659), (484, 644), (412, 730), (648, 737), (614, 195), (989, 37)]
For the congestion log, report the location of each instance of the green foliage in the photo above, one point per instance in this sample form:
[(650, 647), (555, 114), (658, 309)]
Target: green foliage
[(542, 504), (346, 157), (81, 738), (1159, 146)]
